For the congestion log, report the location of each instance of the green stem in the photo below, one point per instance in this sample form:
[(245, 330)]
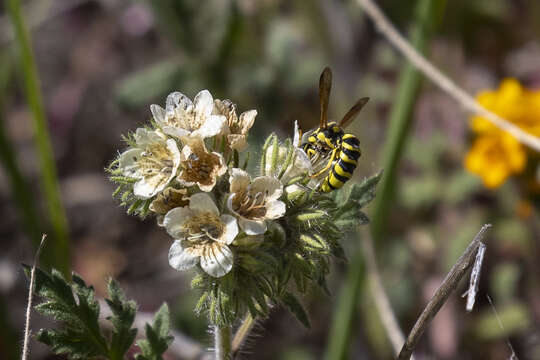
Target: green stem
[(345, 311), (222, 343), (426, 14), (49, 179), (20, 191)]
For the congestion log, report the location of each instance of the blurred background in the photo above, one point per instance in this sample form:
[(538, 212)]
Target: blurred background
[(101, 64)]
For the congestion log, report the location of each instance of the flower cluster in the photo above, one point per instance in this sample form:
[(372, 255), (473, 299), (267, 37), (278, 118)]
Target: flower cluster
[(245, 235), (495, 154)]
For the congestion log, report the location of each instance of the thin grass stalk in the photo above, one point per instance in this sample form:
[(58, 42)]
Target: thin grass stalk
[(49, 181), (426, 14)]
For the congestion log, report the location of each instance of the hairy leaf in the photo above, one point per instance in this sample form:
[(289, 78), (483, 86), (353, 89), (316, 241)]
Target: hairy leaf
[(158, 338), (295, 307)]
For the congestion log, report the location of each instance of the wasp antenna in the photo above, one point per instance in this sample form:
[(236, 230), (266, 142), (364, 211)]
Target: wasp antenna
[(325, 85), (351, 114)]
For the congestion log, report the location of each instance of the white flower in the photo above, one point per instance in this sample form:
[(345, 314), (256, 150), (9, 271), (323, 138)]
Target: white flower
[(255, 201), (182, 118), (200, 166), (238, 127), (202, 236), (154, 161)]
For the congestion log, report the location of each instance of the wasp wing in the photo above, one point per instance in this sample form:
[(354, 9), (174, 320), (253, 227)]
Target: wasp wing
[(351, 114), (325, 85)]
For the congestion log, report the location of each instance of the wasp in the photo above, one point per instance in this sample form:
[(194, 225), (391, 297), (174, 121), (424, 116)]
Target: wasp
[(329, 147)]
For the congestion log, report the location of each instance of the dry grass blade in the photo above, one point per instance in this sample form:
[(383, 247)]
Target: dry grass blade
[(30, 298), (448, 285), (443, 81)]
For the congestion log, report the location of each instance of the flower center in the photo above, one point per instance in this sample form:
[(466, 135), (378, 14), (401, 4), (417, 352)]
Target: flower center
[(250, 205), (204, 228), (199, 167), (156, 159)]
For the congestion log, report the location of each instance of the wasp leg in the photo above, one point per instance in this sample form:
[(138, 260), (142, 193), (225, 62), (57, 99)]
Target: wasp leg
[(328, 165)]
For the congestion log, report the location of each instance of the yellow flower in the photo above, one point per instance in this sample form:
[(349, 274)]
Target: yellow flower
[(512, 102), (495, 155)]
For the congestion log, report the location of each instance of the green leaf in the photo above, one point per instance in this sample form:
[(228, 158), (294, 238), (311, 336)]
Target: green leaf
[(158, 338), (363, 193), (81, 337), (293, 304), (75, 306), (123, 315)]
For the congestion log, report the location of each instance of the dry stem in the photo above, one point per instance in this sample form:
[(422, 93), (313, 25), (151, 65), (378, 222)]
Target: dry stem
[(30, 298), (443, 81), (448, 285)]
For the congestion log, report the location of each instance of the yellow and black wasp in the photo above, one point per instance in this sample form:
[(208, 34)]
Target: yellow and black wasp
[(329, 145)]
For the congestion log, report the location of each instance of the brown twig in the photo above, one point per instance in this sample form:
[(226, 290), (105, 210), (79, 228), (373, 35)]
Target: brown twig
[(443, 81), (448, 285), (25, 350)]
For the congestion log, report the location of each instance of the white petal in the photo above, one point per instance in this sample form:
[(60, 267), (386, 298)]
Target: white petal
[(217, 260), (175, 132), (296, 138), (231, 228), (203, 203), (212, 126), (128, 162), (301, 165), (247, 119), (145, 137), (237, 142), (269, 185), (230, 204), (173, 148), (239, 180), (275, 209), (175, 219), (207, 187), (204, 104), (181, 258), (158, 113), (252, 227), (177, 100), (145, 190)]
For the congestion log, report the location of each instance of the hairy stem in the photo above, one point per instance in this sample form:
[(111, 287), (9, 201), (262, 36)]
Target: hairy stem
[(30, 298), (242, 334), (222, 343)]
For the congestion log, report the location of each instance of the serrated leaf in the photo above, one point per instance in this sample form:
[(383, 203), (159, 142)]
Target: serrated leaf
[(122, 319), (81, 338), (293, 304), (158, 338), (361, 193)]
